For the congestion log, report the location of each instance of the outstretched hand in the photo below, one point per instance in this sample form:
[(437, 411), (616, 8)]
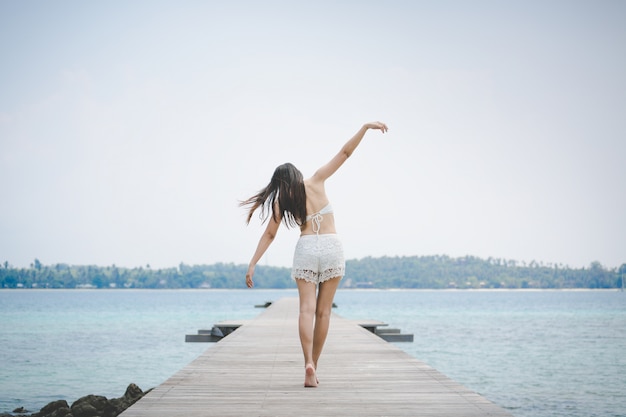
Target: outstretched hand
[(377, 125)]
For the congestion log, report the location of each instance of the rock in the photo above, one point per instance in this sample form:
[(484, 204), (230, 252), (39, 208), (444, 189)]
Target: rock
[(117, 405), (133, 391), (98, 406), (89, 406), (54, 409), (62, 412)]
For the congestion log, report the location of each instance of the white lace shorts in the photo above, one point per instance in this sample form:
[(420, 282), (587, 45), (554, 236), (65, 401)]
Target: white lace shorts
[(318, 258)]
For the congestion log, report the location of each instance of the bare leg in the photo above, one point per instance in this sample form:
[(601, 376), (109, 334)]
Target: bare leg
[(322, 315), (307, 293)]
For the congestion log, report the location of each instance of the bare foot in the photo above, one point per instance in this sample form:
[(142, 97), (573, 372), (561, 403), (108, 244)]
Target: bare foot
[(310, 380)]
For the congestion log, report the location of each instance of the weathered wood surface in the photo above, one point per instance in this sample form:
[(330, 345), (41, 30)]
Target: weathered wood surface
[(258, 370)]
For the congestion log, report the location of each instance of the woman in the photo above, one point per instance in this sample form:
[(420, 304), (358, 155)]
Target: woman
[(318, 258)]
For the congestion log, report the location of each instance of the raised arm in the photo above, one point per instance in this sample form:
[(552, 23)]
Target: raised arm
[(331, 167)]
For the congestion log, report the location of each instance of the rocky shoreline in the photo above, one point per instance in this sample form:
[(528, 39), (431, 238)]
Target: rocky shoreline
[(87, 406)]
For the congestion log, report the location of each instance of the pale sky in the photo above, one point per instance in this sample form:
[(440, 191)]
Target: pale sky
[(129, 131)]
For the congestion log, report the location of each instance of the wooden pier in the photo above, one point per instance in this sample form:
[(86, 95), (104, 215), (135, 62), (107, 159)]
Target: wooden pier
[(258, 370)]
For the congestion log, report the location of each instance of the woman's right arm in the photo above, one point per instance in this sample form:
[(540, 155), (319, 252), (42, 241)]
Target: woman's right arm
[(346, 151), (266, 239)]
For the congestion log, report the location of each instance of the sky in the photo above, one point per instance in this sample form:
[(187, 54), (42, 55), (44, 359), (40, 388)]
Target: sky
[(130, 131)]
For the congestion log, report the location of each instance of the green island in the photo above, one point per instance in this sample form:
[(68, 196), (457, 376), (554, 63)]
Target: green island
[(416, 272)]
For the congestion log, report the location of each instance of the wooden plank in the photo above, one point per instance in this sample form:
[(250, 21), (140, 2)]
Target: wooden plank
[(258, 370)]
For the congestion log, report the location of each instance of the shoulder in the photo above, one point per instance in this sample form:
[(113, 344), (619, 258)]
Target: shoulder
[(314, 189), (318, 178), (314, 183)]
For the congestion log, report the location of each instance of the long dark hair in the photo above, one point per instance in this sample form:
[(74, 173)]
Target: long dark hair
[(284, 194)]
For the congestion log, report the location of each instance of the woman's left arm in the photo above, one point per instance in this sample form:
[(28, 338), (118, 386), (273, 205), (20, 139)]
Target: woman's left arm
[(266, 240), (346, 151)]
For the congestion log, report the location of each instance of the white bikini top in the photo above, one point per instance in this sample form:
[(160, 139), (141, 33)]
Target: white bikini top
[(318, 217)]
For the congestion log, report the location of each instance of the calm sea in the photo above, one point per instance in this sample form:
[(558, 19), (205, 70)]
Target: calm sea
[(535, 353)]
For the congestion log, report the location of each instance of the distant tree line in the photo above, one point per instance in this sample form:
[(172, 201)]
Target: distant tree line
[(432, 272), (440, 272)]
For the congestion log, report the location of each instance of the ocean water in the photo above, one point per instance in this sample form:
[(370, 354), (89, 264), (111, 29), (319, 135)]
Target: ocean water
[(534, 353)]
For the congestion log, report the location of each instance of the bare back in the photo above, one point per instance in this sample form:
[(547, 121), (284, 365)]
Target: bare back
[(316, 200)]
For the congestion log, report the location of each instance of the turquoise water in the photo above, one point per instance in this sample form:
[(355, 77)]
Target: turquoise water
[(535, 353)]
